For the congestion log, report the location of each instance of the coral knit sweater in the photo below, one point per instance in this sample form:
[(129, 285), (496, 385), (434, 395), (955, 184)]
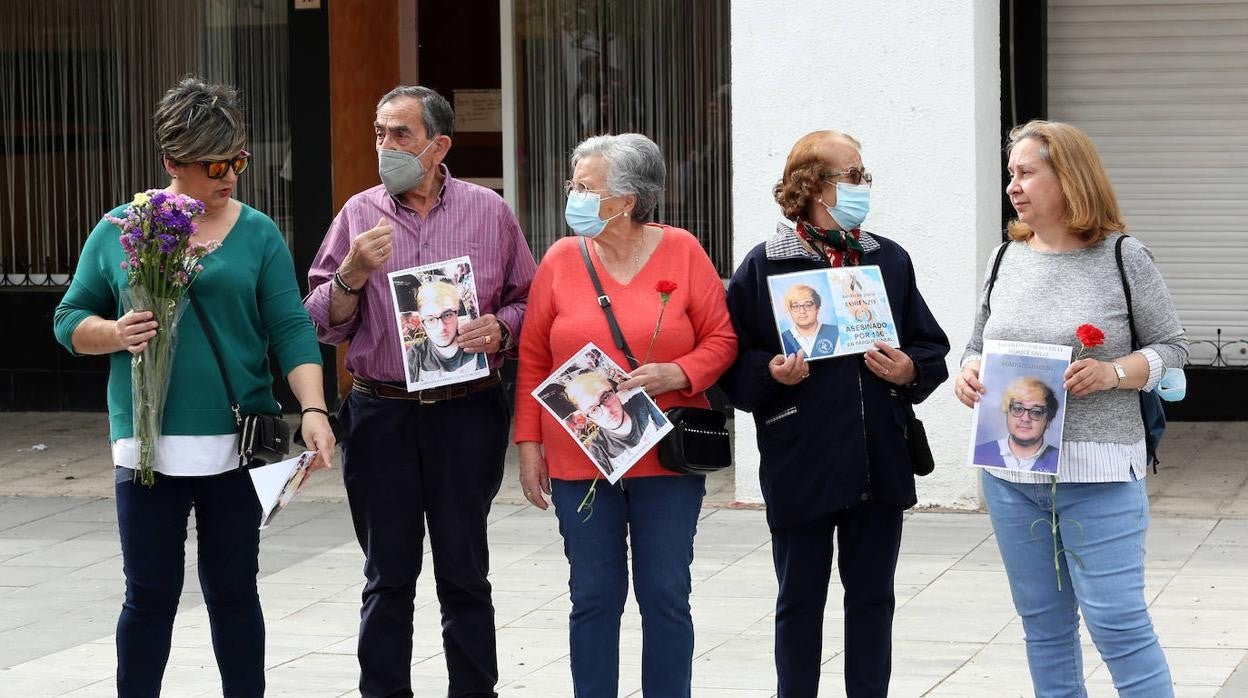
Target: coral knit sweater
[(563, 315)]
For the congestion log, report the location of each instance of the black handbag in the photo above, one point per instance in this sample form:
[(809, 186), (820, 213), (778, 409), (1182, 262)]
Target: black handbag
[(921, 460), (699, 442), (263, 438)]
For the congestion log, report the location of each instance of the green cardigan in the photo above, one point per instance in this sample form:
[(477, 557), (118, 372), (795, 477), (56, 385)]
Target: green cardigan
[(249, 291)]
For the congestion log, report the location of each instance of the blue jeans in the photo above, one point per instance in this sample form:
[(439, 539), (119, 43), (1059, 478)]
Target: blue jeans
[(153, 536), (659, 516), (1104, 524)]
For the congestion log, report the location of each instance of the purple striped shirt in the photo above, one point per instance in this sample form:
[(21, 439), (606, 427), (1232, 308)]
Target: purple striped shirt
[(467, 219)]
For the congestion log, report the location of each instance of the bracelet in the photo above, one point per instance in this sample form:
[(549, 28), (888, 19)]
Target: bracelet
[(342, 285), (318, 410)]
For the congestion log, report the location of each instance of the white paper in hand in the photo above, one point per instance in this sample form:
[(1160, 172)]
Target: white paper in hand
[(277, 484)]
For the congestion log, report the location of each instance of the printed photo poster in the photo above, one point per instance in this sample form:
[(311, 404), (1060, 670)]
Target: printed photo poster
[(277, 484), (832, 312), (431, 302), (1018, 422), (614, 428)]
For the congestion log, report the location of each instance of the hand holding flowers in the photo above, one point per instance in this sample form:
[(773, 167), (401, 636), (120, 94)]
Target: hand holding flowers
[(161, 263), (657, 379), (1087, 375)]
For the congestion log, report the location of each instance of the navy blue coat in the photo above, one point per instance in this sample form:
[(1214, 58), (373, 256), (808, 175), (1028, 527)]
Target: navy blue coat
[(837, 438)]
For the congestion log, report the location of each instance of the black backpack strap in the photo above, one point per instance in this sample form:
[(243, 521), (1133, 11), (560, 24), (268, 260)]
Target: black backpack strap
[(604, 302), (1126, 291), (212, 344), (992, 278)]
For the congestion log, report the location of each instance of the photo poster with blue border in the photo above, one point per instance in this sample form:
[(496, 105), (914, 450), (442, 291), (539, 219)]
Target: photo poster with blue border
[(1027, 378), (849, 306)]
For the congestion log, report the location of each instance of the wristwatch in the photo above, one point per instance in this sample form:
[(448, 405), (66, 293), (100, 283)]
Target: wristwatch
[(1121, 373), (504, 336)]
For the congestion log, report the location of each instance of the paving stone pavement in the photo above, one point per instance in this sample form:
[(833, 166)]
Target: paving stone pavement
[(956, 632)]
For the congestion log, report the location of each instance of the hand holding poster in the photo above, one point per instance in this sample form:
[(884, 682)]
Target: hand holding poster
[(832, 312), (1018, 422), (431, 302), (614, 428), (277, 484)]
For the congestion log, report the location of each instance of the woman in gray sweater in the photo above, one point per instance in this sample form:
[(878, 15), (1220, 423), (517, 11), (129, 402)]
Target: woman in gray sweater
[(1058, 271)]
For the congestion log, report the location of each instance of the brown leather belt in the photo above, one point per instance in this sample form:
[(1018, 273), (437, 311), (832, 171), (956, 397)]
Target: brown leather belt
[(428, 396)]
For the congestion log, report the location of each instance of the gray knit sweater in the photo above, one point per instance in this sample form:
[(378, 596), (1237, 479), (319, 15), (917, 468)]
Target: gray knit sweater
[(1044, 296)]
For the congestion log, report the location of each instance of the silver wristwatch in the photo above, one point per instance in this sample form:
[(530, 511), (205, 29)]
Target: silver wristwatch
[(1121, 372)]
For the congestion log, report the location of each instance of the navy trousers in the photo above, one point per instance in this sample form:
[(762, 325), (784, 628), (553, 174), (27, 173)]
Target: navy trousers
[(407, 465), (153, 539), (869, 536)]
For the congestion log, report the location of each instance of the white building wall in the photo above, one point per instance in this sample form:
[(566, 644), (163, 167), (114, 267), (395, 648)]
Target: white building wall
[(918, 84)]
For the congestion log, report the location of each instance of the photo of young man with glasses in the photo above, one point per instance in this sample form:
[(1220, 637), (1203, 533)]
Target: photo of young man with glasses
[(1029, 406), (439, 355), (623, 428), (813, 338)]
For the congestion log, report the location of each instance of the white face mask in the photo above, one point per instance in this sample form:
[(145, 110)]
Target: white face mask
[(400, 171)]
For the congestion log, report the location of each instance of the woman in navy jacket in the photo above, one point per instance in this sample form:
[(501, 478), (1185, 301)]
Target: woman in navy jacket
[(832, 432)]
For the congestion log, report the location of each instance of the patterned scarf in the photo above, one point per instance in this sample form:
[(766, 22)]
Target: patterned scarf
[(840, 247)]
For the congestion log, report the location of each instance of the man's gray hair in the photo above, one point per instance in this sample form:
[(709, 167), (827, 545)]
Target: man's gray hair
[(197, 121), (634, 166), (435, 111)]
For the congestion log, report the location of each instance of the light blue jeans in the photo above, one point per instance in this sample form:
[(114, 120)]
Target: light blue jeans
[(1104, 525), (656, 518)]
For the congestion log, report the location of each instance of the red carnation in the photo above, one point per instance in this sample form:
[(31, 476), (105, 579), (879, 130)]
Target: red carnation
[(665, 287), (1090, 336)]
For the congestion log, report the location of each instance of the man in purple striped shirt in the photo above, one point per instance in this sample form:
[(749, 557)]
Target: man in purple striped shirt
[(436, 454)]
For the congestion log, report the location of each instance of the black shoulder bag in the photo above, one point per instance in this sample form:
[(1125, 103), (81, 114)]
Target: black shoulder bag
[(265, 437), (699, 442)]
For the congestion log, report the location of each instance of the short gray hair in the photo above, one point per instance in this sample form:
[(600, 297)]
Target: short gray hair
[(197, 121), (634, 166), (435, 111)]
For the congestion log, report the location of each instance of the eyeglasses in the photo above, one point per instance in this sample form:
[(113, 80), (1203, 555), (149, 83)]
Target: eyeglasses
[(854, 174), (805, 307), (446, 316), (217, 168), (595, 410), (1036, 413), (570, 188)]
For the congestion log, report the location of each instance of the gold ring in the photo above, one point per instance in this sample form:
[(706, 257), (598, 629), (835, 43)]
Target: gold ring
[(487, 339), (886, 371)]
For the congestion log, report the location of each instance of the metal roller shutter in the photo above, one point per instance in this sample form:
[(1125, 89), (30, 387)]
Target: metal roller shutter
[(1162, 88)]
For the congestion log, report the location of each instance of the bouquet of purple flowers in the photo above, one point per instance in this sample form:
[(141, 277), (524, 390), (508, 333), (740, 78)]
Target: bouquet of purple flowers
[(161, 263)]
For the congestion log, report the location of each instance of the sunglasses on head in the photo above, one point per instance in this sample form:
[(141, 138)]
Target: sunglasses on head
[(217, 168)]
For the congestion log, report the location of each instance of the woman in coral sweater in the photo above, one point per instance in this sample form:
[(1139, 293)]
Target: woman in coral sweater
[(615, 186)]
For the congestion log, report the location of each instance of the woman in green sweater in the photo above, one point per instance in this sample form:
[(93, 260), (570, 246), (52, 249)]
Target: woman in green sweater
[(248, 292)]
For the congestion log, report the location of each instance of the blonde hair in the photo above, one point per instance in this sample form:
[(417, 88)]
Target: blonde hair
[(588, 384), (805, 171), (797, 290), (441, 292), (1092, 211), (1028, 385)]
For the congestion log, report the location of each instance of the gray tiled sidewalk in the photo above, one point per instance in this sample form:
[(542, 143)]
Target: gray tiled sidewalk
[(956, 632)]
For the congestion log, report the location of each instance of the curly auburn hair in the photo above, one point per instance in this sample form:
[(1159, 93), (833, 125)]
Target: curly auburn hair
[(806, 170)]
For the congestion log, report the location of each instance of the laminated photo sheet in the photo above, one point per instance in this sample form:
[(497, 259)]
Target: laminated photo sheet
[(832, 312), (1017, 424), (431, 302), (277, 484), (613, 428)]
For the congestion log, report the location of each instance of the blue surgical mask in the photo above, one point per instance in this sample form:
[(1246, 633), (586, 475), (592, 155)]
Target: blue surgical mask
[(853, 201), (1173, 385), (581, 213)]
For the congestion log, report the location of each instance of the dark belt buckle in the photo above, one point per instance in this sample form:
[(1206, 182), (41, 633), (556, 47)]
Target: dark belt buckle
[(421, 399)]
